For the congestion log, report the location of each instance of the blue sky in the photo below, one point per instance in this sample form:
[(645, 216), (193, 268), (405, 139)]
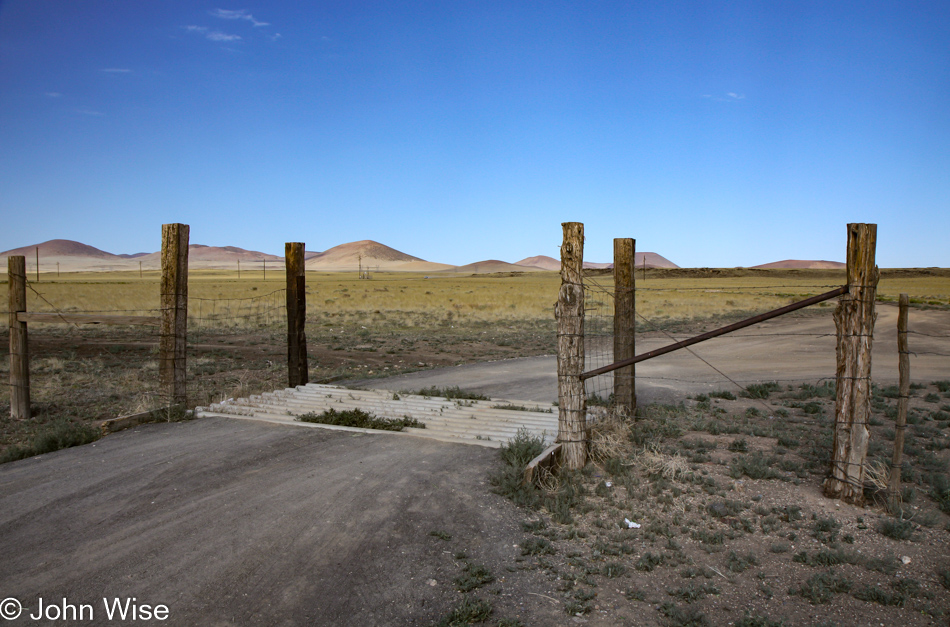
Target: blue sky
[(715, 133)]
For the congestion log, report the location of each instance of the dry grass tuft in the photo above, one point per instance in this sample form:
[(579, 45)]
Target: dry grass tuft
[(656, 462), (877, 473), (608, 438)]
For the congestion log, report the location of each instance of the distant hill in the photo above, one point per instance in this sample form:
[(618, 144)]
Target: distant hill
[(60, 248), (796, 264), (203, 256), (540, 261), (544, 262), (365, 253), (491, 265)]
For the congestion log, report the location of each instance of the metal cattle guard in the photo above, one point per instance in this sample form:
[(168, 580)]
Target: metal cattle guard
[(716, 333)]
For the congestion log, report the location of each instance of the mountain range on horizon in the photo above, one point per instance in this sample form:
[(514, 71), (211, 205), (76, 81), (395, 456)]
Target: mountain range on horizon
[(351, 256)]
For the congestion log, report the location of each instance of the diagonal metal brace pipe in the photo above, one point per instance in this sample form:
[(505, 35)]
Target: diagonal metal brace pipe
[(748, 322)]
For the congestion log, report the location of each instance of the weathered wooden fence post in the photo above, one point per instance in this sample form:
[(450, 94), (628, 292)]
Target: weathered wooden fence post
[(172, 362), (625, 395), (903, 365), (854, 319), (569, 311), (297, 372), (19, 344)]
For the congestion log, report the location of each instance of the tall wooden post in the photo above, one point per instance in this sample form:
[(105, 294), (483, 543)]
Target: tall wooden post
[(172, 364), (19, 345), (854, 319), (625, 395), (903, 365), (297, 372), (569, 311)]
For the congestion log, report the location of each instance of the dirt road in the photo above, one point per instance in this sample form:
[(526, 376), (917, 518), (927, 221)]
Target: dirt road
[(242, 523), (792, 350)]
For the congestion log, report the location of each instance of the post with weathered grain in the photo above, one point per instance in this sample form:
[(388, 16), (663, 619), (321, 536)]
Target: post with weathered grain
[(569, 311), (625, 395), (172, 363), (903, 366), (19, 345), (297, 372), (854, 320)]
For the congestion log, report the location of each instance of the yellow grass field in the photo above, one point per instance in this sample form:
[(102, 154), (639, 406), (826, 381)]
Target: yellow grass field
[(413, 300)]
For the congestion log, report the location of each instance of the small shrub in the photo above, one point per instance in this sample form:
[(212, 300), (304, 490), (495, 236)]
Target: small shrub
[(691, 593), (739, 446), (754, 620), (761, 390), (821, 588), (876, 595), (649, 561), (896, 529), (469, 611), (537, 546), (683, 616), (59, 435), (473, 576), (441, 535), (612, 570), (451, 393), (754, 466), (723, 394), (361, 419), (826, 529), (738, 564)]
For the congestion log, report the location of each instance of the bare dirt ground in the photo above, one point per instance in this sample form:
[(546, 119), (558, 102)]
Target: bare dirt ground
[(236, 523)]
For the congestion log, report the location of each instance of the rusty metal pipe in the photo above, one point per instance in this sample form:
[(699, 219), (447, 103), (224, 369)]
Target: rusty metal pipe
[(748, 322)]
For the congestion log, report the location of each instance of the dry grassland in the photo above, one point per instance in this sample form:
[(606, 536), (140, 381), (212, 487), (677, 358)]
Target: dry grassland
[(390, 324)]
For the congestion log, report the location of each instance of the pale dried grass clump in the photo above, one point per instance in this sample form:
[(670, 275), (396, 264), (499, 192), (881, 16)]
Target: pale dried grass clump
[(608, 438), (546, 480), (877, 473), (656, 462)]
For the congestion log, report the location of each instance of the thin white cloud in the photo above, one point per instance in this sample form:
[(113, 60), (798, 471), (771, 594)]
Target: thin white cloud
[(88, 112), (729, 97), (217, 35), (212, 35), (240, 14), (116, 70), (54, 94)]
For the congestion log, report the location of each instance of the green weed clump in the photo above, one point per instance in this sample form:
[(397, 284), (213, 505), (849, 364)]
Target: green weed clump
[(469, 611), (754, 466), (508, 480), (896, 529), (361, 419), (59, 435), (451, 393), (821, 588), (473, 576), (761, 390), (754, 620)]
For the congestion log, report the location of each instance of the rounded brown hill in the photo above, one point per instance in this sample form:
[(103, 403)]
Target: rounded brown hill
[(798, 264), (544, 262), (60, 248), (365, 253)]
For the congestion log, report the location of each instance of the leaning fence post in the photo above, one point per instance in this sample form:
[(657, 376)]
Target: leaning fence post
[(172, 364), (297, 373), (903, 365), (625, 395), (854, 319), (19, 344), (569, 311)]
